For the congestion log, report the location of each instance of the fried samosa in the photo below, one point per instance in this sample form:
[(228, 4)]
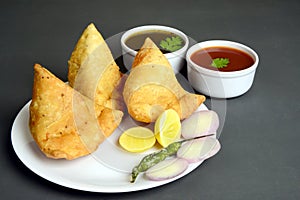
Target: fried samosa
[(92, 70), (63, 122), (152, 87)]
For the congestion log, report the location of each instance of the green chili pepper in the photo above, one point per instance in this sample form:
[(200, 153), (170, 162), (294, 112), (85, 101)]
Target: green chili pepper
[(156, 157)]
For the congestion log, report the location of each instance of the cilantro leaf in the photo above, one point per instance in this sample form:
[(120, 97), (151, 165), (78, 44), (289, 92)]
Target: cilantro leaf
[(220, 62), (171, 43)]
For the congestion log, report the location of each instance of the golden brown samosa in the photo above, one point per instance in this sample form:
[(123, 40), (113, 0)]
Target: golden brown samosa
[(92, 70), (152, 87), (63, 122)]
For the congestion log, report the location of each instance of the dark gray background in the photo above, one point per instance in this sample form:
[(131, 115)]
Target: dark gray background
[(260, 139)]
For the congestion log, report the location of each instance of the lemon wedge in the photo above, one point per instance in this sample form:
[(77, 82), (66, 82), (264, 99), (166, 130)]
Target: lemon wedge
[(167, 128), (137, 139)]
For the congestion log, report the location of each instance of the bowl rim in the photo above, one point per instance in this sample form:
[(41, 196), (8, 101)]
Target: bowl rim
[(221, 43), (138, 29)]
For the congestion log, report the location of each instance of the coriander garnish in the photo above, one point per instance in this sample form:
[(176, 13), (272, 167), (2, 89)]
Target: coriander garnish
[(220, 62), (171, 43)]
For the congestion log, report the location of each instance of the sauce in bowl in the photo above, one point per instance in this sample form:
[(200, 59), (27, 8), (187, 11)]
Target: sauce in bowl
[(238, 60), (136, 41)]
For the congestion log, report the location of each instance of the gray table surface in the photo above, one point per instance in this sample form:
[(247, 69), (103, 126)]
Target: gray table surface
[(261, 133)]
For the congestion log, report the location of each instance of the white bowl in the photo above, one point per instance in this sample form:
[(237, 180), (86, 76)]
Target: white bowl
[(217, 83), (176, 58)]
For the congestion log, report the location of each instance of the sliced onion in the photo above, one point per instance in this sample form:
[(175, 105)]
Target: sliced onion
[(199, 149), (200, 123)]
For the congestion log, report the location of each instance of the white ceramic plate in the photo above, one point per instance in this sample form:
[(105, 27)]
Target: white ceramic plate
[(107, 170)]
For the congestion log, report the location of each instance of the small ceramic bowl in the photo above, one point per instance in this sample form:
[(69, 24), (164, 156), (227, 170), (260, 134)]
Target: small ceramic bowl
[(221, 84), (176, 58)]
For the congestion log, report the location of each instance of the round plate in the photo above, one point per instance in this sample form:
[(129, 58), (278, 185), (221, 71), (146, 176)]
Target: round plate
[(106, 170)]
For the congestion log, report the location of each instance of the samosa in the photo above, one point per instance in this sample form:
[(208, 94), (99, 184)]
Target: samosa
[(152, 87), (65, 123), (93, 71)]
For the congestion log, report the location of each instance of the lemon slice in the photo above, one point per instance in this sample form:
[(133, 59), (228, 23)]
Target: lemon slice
[(167, 127), (137, 139)]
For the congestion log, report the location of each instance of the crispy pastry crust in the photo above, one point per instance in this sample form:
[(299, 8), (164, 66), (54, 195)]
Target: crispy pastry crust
[(152, 87), (92, 70), (63, 122)]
